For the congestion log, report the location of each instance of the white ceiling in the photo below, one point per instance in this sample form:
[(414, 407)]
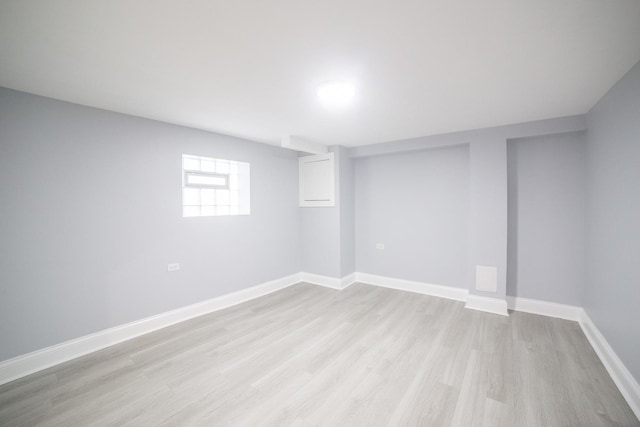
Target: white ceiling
[(250, 67)]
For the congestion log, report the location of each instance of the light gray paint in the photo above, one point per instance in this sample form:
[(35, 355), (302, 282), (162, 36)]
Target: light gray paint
[(320, 234), (488, 211), (320, 237), (416, 205), (487, 205), (90, 215), (546, 218), (327, 233), (613, 218), (347, 212)]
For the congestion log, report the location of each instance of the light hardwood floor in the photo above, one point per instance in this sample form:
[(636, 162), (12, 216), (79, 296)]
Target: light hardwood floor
[(307, 355)]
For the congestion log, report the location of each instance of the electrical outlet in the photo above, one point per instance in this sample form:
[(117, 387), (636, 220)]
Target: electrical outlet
[(173, 267), (379, 245)]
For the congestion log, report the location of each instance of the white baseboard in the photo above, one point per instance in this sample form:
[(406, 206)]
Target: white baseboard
[(627, 385), (448, 292), (327, 281), (487, 304), (348, 280), (544, 308), (41, 359)]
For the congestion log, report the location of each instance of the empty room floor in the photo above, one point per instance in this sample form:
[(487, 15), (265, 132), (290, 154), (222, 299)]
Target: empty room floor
[(308, 355)]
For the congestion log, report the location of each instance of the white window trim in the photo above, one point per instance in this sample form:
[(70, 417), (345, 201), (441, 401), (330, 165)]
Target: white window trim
[(188, 173), (237, 185)]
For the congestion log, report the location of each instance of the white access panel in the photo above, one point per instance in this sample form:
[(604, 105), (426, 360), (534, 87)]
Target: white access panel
[(317, 180), (486, 278)]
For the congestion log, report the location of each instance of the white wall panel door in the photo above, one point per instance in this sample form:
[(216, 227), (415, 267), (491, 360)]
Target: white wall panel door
[(317, 180)]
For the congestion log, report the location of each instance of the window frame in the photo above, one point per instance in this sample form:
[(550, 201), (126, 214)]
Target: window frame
[(188, 173), (235, 191)]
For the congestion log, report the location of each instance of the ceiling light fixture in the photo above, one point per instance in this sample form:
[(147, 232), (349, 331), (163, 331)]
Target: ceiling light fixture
[(336, 94)]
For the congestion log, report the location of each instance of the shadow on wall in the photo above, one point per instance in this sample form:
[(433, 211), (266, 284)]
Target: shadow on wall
[(545, 217), (512, 219)]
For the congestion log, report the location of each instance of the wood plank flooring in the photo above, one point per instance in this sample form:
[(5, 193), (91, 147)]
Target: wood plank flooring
[(311, 356)]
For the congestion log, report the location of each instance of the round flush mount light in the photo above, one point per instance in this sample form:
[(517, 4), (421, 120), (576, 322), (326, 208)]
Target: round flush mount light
[(336, 94)]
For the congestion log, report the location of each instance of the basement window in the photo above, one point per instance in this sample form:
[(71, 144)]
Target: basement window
[(214, 187)]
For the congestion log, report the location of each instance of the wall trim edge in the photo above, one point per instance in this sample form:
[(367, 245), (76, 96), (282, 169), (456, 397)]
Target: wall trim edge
[(38, 360), (487, 304), (448, 292), (328, 281), (544, 308), (23, 365), (628, 386)]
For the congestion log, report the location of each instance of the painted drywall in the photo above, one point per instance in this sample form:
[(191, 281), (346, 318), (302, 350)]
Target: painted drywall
[(320, 233), (320, 237), (327, 233), (546, 237), (90, 216), (488, 212), (347, 212), (417, 206), (488, 190), (612, 289)]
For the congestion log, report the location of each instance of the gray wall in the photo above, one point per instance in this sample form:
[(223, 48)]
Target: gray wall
[(320, 237), (416, 204), (347, 212), (546, 218), (327, 233), (488, 211), (320, 233), (90, 215), (488, 190), (613, 218)]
